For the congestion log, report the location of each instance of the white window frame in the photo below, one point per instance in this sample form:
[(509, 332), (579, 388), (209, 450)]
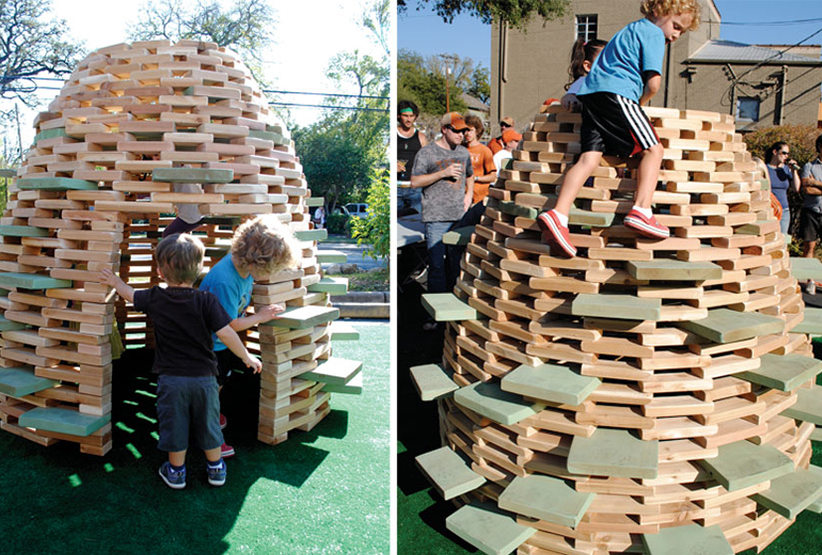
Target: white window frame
[(586, 26)]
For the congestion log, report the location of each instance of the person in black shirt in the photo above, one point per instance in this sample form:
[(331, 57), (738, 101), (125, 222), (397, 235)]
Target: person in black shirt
[(184, 319), (409, 142)]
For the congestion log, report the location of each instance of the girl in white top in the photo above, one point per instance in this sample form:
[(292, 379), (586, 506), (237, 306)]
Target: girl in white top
[(583, 55)]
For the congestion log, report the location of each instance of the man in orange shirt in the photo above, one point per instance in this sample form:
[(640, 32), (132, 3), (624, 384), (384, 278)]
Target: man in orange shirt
[(482, 159)]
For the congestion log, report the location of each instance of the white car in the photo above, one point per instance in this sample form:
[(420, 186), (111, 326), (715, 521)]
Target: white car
[(359, 209)]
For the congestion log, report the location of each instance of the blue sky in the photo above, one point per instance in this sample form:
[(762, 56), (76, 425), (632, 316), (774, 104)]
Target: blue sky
[(424, 32)]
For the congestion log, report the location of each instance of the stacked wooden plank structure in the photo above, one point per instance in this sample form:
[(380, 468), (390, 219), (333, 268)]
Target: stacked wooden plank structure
[(646, 396), (97, 189)]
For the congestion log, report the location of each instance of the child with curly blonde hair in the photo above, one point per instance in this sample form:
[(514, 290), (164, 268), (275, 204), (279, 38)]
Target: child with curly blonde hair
[(259, 248), (626, 75)]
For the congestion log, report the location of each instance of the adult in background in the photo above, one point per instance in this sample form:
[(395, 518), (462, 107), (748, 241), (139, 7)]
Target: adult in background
[(443, 171), (783, 174), (510, 140), (409, 142), (482, 162), (496, 144), (810, 219)]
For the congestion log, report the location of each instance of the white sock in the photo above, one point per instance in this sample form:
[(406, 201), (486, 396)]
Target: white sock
[(563, 219), (644, 211)]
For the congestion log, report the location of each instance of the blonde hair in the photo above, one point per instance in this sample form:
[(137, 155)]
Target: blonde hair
[(673, 7), (180, 258), (266, 244)]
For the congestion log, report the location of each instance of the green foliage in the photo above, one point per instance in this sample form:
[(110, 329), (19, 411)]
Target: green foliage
[(480, 84), (247, 25), (801, 139), (338, 224), (375, 230), (32, 45), (425, 87), (516, 13)]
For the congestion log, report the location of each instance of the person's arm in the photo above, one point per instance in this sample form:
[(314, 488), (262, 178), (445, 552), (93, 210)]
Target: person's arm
[(810, 184), (653, 81), (452, 170), (260, 316), (423, 138), (231, 340), (123, 289), (795, 181), (487, 178), (469, 193)]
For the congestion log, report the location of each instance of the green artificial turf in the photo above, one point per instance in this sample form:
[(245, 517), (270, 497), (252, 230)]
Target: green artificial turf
[(321, 492)]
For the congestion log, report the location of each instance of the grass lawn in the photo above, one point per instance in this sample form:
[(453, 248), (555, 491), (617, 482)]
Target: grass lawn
[(321, 492), (368, 281)]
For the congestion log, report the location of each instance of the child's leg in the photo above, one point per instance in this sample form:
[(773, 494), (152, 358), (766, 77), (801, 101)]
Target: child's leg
[(177, 458), (575, 178), (212, 455), (648, 176)]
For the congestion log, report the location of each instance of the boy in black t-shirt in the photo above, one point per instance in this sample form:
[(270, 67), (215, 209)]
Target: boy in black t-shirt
[(184, 319)]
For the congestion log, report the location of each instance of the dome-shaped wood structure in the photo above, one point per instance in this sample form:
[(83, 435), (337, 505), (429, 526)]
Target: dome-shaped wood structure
[(646, 394), (97, 188)]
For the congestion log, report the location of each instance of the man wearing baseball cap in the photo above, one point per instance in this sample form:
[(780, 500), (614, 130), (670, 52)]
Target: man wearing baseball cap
[(510, 140), (443, 170), (496, 143)]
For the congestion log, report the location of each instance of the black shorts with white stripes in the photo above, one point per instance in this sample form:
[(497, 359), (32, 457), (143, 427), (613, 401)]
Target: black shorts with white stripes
[(615, 125)]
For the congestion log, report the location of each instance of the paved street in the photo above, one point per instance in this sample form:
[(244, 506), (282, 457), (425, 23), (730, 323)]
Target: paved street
[(356, 254)]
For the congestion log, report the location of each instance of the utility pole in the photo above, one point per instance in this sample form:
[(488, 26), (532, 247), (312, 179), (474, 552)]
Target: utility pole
[(448, 58)]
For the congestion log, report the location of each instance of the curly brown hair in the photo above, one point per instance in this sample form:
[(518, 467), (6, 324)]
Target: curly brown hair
[(673, 7), (265, 243)]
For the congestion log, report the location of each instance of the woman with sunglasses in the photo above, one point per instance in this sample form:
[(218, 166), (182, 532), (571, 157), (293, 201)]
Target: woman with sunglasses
[(783, 173)]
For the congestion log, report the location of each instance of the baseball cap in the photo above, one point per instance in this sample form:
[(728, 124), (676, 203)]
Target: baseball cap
[(454, 119), (509, 120), (510, 135)]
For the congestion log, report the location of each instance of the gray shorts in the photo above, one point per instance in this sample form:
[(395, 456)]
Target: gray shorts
[(188, 405)]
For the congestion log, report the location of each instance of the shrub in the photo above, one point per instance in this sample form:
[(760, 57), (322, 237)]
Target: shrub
[(339, 224), (376, 228)]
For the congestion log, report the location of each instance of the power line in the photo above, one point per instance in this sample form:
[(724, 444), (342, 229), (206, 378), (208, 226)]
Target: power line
[(767, 23), (328, 94), (355, 108)]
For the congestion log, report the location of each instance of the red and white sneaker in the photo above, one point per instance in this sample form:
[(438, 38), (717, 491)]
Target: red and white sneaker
[(223, 421), (226, 450), (648, 227), (554, 232)]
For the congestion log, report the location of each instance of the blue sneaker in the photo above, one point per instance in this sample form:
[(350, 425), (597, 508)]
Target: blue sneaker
[(172, 478), (216, 476)]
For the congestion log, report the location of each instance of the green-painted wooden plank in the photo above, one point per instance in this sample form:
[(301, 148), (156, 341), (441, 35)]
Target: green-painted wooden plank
[(341, 331), (311, 235), (56, 184), (314, 201), (333, 370), (808, 406), (792, 493), (304, 317), (63, 421), (192, 175), (593, 219), (811, 322), (21, 381), (448, 472), (804, 269), (783, 372), (330, 285), (446, 307), (50, 134), (675, 270), (23, 231), (459, 236), (546, 498), (490, 401), (486, 528), (611, 452), (32, 281), (8, 325), (7, 172), (514, 209), (331, 257), (726, 326), (267, 135), (616, 306), (551, 383), (691, 539), (351, 387), (743, 464), (432, 382)]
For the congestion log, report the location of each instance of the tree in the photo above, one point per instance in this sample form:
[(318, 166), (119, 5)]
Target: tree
[(480, 86), (419, 81), (246, 26), (376, 229), (516, 13), (29, 46)]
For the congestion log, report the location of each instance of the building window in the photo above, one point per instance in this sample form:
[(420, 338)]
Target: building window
[(747, 109), (587, 27)]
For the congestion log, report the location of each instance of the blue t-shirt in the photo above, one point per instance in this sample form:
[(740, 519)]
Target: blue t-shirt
[(620, 67), (232, 290), (780, 181)]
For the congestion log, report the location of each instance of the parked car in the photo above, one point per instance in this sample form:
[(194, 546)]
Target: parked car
[(359, 209)]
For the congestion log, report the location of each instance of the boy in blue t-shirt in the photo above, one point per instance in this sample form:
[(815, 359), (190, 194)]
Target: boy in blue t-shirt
[(626, 75), (259, 248)]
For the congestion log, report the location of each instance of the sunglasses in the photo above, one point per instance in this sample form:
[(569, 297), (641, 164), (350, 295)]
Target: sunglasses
[(504, 125), (785, 153), (455, 130)]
